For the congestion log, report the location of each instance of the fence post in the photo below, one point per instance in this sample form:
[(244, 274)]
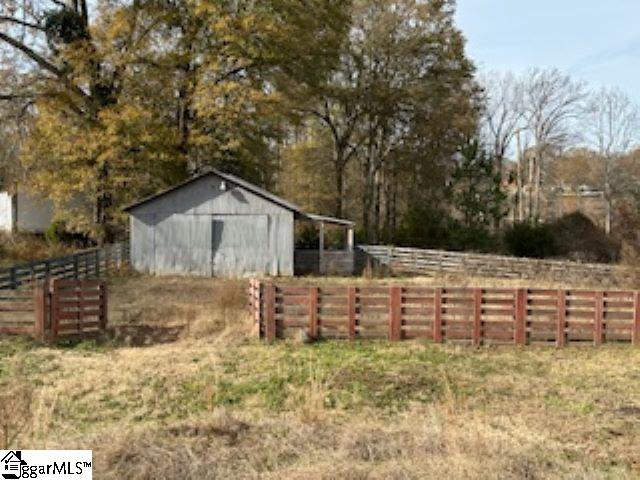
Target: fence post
[(257, 306), (270, 312), (108, 248), (76, 267), (477, 316), (97, 259), (53, 311), (12, 278), (40, 310), (104, 306), (597, 324), (351, 312), (521, 317), (123, 254), (437, 315), (313, 312), (561, 306), (636, 319), (395, 312)]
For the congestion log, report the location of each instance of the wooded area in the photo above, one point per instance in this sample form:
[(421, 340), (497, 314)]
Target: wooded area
[(365, 109)]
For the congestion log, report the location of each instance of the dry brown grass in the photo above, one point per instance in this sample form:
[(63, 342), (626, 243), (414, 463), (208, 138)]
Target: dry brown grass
[(457, 280), (212, 402), (24, 247)]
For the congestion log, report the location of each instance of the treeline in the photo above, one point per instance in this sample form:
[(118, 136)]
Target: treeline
[(365, 109)]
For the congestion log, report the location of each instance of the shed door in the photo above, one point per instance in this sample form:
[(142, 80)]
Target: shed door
[(240, 245), (183, 245)]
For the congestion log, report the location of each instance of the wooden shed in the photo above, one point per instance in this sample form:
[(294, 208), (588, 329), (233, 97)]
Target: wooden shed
[(217, 224)]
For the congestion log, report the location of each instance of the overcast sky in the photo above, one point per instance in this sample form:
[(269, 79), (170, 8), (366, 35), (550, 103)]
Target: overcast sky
[(594, 40)]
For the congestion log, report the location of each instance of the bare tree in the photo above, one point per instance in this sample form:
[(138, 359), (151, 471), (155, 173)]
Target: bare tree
[(551, 101), (503, 113), (612, 121)]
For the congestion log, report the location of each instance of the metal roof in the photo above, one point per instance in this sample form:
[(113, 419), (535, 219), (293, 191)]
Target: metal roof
[(225, 176), (322, 218), (247, 186)]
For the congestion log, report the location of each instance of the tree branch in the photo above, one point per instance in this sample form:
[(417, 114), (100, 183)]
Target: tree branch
[(44, 63), (22, 23)]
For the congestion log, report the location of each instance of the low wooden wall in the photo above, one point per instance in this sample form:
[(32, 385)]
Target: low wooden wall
[(469, 315), (434, 262), (334, 262)]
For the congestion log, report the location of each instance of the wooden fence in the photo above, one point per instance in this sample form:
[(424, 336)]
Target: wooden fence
[(55, 309), (432, 262), (470, 315), (92, 263)]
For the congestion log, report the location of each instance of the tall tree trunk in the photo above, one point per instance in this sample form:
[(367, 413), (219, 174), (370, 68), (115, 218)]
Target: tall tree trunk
[(339, 172)]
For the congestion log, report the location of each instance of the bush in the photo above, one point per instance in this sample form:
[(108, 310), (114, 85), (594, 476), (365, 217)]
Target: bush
[(57, 233), (573, 237), (527, 240), (428, 227), (578, 238)]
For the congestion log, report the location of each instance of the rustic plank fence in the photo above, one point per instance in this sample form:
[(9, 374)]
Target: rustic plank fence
[(92, 263), (434, 262), (56, 309), (474, 316)]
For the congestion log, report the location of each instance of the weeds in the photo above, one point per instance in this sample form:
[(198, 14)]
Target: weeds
[(217, 403)]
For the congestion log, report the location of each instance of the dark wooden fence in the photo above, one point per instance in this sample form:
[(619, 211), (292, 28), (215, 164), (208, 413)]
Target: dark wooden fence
[(55, 309), (435, 262), (470, 315), (92, 263)]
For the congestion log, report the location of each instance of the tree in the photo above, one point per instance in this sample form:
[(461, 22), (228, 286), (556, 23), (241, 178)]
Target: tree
[(475, 188), (503, 112), (397, 105), (551, 101), (146, 93), (612, 121)]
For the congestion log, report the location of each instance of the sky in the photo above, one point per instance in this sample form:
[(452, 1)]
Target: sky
[(597, 41)]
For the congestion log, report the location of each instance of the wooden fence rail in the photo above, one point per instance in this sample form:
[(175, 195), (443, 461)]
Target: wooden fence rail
[(475, 316), (92, 263), (55, 309), (433, 262)]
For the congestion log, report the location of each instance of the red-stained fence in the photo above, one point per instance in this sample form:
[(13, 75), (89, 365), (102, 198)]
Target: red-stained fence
[(55, 309), (471, 315)]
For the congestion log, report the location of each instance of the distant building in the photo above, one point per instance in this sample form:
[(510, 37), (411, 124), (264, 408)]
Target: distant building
[(589, 201), (23, 212)]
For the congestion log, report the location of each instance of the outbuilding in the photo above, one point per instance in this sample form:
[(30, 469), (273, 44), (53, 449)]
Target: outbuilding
[(217, 224)]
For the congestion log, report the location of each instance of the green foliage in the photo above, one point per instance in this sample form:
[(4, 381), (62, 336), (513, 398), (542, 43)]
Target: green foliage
[(528, 240), (64, 26), (475, 188), (55, 232), (428, 227), (307, 237)]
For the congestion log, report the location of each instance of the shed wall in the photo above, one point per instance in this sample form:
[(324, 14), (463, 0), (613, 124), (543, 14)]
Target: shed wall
[(200, 229)]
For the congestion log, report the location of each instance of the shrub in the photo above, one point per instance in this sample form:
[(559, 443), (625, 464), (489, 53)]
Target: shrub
[(527, 240), (428, 227), (578, 238), (57, 233)]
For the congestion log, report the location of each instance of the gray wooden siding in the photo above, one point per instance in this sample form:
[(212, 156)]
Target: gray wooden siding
[(200, 229)]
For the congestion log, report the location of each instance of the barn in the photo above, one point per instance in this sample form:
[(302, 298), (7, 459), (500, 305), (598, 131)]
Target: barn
[(217, 224)]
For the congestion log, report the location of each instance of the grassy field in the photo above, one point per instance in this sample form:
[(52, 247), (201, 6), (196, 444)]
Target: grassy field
[(181, 389)]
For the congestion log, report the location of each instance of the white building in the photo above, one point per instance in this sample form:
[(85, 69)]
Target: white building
[(22, 212)]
